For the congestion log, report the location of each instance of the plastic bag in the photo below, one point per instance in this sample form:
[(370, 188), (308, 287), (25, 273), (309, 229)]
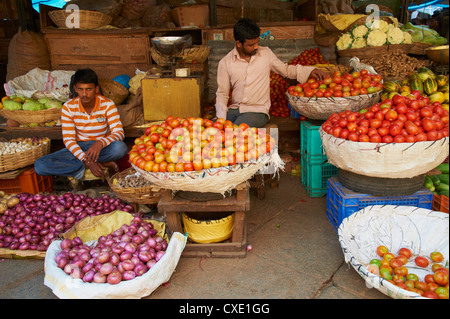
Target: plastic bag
[(208, 231), (39, 83)]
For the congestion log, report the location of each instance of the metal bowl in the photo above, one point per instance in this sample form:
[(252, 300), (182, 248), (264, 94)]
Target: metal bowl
[(170, 45), (438, 54)]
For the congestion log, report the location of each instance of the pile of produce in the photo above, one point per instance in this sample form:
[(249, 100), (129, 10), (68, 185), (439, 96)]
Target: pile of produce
[(376, 34), (132, 180), (393, 65), (433, 86), (438, 184), (278, 101), (19, 145), (32, 222), (396, 269), (423, 34), (309, 57), (127, 253), (400, 119), (194, 144), (357, 83), (17, 102)]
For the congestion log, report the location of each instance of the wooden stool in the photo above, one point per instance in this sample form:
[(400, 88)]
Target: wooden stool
[(238, 203), (88, 176)]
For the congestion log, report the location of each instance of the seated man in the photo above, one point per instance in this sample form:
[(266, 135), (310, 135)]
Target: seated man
[(246, 71), (92, 133)]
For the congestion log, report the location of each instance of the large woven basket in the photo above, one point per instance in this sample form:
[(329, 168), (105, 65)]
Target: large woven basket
[(27, 117), (420, 229), (22, 159), (197, 54), (136, 195), (418, 48), (213, 180), (387, 160), (113, 90), (321, 108), (367, 52), (331, 68), (88, 19)]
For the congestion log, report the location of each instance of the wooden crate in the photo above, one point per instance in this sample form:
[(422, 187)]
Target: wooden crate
[(238, 203), (111, 50), (171, 96)]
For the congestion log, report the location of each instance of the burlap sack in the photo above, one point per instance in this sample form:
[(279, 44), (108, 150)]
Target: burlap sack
[(27, 50), (135, 9), (132, 112), (157, 16)]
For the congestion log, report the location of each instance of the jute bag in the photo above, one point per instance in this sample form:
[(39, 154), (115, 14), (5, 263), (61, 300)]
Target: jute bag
[(132, 112), (27, 50)]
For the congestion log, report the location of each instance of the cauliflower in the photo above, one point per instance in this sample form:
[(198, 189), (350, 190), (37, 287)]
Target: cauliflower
[(359, 43), (360, 31), (344, 42), (379, 24), (376, 38), (395, 36), (407, 39)]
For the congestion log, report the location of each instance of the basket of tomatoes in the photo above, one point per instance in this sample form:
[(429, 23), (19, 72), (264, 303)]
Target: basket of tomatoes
[(402, 137), (336, 93), (199, 155), (402, 251)]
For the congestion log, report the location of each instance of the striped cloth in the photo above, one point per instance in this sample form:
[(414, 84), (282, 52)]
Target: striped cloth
[(102, 124)]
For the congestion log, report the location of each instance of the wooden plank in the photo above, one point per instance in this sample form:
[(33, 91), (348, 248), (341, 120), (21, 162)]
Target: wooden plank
[(257, 4)]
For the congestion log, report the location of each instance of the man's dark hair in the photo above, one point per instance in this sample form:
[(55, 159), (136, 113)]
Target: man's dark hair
[(82, 76), (245, 29)]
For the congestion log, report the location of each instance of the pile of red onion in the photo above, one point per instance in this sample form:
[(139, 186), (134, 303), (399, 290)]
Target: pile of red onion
[(128, 252), (36, 220)]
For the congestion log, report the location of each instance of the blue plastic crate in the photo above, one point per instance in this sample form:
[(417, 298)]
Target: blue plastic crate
[(293, 113), (311, 143), (315, 175), (343, 202)]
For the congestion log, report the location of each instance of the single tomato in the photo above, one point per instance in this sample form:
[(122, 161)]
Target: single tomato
[(421, 261)]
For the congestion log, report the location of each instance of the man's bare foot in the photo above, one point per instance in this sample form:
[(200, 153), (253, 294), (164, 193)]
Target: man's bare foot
[(111, 165)]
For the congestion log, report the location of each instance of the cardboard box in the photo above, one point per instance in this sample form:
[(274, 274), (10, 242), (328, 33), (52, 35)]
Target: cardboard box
[(196, 15)]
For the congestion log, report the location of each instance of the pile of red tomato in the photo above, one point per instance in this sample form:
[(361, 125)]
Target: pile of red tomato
[(309, 57), (278, 100), (338, 85), (401, 119), (393, 268)]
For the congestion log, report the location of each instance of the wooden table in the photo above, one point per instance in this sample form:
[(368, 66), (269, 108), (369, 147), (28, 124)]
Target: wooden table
[(238, 203)]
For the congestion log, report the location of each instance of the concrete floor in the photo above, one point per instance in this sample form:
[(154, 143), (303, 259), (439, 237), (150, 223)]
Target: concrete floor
[(295, 255)]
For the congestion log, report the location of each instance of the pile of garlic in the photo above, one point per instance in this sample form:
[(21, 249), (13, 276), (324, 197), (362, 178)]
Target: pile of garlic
[(21, 145)]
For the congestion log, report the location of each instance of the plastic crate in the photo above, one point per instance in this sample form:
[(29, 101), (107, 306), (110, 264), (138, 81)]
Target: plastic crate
[(343, 202), (27, 182), (293, 113), (440, 203), (315, 176), (311, 143)]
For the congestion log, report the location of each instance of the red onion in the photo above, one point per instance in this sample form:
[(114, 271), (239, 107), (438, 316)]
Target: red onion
[(140, 269), (99, 277), (151, 263), (103, 257), (159, 255), (89, 276), (128, 275), (106, 268), (114, 277), (127, 265)]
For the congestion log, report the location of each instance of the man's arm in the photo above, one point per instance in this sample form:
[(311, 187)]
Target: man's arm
[(223, 91)]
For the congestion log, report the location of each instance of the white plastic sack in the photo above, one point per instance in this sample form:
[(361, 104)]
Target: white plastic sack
[(421, 230), (41, 83), (66, 287)]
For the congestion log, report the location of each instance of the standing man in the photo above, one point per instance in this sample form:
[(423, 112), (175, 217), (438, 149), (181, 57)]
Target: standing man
[(92, 133), (246, 71)]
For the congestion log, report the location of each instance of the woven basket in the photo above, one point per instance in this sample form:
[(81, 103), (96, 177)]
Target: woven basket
[(138, 195), (322, 108), (362, 21), (197, 54), (333, 68), (14, 161), (387, 160), (27, 117), (88, 19), (113, 90), (160, 59), (367, 52), (327, 25), (327, 39), (213, 180), (419, 48), (399, 48)]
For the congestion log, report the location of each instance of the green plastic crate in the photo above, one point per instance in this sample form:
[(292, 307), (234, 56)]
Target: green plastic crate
[(315, 175), (311, 143)]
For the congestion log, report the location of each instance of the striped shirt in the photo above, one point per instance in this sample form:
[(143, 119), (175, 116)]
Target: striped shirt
[(103, 124)]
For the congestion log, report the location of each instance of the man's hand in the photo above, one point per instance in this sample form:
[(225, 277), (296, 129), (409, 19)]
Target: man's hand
[(94, 151), (96, 168), (318, 75)]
